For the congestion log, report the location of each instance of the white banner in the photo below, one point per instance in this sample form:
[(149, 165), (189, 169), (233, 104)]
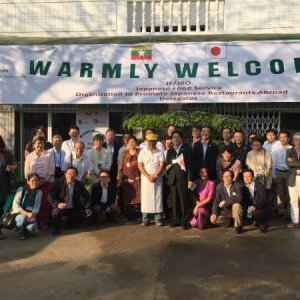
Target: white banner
[(262, 71)]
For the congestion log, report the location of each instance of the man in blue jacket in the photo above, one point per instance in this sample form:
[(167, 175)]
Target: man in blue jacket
[(228, 202)]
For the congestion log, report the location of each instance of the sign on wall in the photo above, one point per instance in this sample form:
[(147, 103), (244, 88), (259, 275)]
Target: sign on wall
[(91, 123), (262, 71)]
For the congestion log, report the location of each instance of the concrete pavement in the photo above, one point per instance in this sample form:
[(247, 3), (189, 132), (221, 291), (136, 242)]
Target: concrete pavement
[(129, 261)]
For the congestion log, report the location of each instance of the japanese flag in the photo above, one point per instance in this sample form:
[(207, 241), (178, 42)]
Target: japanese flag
[(216, 51)]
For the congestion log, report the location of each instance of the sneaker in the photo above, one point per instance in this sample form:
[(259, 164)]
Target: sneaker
[(145, 223), (20, 237), (292, 225), (158, 223)]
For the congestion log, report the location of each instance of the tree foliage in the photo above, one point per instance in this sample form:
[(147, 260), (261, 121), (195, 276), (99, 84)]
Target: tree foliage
[(183, 119)]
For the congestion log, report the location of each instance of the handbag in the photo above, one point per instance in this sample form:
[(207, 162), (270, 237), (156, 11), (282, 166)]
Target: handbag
[(8, 220)]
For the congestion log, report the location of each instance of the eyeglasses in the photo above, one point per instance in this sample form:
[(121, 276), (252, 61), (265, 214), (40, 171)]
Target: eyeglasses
[(104, 177)]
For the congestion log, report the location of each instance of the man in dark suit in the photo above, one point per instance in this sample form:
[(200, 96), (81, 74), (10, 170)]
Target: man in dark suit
[(256, 200), (103, 195), (178, 175), (228, 202), (69, 198), (293, 179), (205, 154), (113, 149)]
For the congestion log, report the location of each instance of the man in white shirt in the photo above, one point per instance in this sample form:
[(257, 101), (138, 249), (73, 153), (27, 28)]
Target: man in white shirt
[(58, 156), (272, 145), (281, 169), (68, 146), (79, 160)]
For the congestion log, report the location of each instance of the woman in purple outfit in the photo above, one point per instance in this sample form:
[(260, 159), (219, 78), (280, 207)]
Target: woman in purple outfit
[(203, 195)]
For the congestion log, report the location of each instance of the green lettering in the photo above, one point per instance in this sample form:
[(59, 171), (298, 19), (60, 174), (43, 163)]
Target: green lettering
[(132, 72), (108, 70), (230, 69), (86, 68), (297, 64), (248, 67), (150, 71), (212, 69), (65, 69), (186, 69), (276, 66), (39, 68)]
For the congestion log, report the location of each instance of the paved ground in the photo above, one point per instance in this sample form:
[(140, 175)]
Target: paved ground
[(128, 261)]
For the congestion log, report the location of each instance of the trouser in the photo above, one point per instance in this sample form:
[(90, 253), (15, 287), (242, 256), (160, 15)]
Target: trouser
[(23, 226), (111, 216), (146, 216), (294, 192), (236, 213), (75, 215), (166, 195), (180, 201), (261, 215), (281, 189)]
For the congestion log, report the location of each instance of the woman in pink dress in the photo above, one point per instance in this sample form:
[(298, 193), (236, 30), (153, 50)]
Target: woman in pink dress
[(203, 195), (42, 163)]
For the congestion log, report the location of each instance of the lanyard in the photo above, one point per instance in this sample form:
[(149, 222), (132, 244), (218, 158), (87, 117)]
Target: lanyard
[(55, 155)]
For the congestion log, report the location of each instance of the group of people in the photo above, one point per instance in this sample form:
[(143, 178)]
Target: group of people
[(196, 184)]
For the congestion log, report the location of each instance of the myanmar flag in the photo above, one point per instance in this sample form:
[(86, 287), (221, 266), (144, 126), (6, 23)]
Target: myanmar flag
[(143, 52)]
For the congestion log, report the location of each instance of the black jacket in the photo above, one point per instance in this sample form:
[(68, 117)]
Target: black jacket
[(114, 161), (293, 165), (96, 195), (236, 196), (176, 173), (210, 160), (260, 200), (81, 198)]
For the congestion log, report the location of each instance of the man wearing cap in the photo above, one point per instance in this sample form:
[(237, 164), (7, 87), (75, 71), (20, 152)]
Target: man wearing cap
[(150, 163)]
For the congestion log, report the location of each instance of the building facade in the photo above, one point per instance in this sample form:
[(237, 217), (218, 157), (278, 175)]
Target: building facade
[(59, 24)]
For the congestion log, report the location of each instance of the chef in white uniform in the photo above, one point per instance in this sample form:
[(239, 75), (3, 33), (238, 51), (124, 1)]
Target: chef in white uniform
[(150, 163)]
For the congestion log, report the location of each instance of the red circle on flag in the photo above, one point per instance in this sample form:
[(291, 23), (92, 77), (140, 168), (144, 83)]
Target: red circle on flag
[(215, 51)]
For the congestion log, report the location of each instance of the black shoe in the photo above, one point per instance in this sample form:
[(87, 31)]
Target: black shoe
[(174, 224), (186, 226), (263, 227), (239, 230)]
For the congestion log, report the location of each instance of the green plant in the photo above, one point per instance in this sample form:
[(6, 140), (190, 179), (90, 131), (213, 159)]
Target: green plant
[(183, 119)]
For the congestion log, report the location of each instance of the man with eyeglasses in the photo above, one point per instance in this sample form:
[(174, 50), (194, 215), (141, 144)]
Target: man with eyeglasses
[(103, 195), (228, 203)]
